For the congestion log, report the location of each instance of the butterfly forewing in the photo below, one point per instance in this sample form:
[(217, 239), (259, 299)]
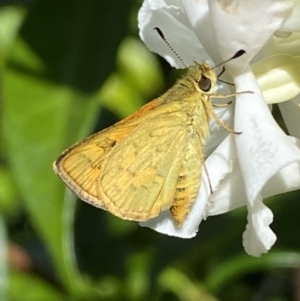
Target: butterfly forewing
[(80, 166), (140, 174)]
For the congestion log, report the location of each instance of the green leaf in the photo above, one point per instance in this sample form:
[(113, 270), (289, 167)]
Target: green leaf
[(235, 268), (27, 287), (175, 281), (55, 70)]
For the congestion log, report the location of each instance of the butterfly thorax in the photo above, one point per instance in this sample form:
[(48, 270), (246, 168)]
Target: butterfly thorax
[(193, 92)]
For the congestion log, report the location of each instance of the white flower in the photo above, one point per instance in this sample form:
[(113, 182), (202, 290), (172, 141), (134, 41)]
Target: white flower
[(263, 160)]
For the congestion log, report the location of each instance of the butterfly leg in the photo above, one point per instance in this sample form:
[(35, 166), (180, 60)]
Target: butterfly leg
[(216, 117), (222, 105), (219, 121), (227, 96), (208, 178), (230, 95)]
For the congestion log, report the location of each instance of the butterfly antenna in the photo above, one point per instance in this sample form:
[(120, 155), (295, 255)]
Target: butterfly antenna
[(169, 45), (237, 54), (223, 81)]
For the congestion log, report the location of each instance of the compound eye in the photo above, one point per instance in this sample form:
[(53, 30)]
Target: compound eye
[(204, 84)]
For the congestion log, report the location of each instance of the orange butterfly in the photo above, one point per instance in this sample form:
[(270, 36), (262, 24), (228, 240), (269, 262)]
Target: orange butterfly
[(152, 160)]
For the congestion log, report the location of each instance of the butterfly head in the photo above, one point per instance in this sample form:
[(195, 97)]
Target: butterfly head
[(203, 77)]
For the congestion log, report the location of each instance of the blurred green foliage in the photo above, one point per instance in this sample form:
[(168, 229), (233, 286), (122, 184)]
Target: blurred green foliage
[(69, 68)]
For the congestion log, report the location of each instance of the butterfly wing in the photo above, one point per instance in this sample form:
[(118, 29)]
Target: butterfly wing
[(135, 168), (80, 165), (189, 179), (139, 177)]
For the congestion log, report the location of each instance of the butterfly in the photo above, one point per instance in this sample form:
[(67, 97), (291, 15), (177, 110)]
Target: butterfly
[(152, 160)]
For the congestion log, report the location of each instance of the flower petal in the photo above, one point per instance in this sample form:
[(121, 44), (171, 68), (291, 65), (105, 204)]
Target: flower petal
[(278, 77), (199, 18), (263, 148), (258, 238), (289, 45), (292, 23), (173, 22), (231, 20), (287, 179), (229, 192)]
